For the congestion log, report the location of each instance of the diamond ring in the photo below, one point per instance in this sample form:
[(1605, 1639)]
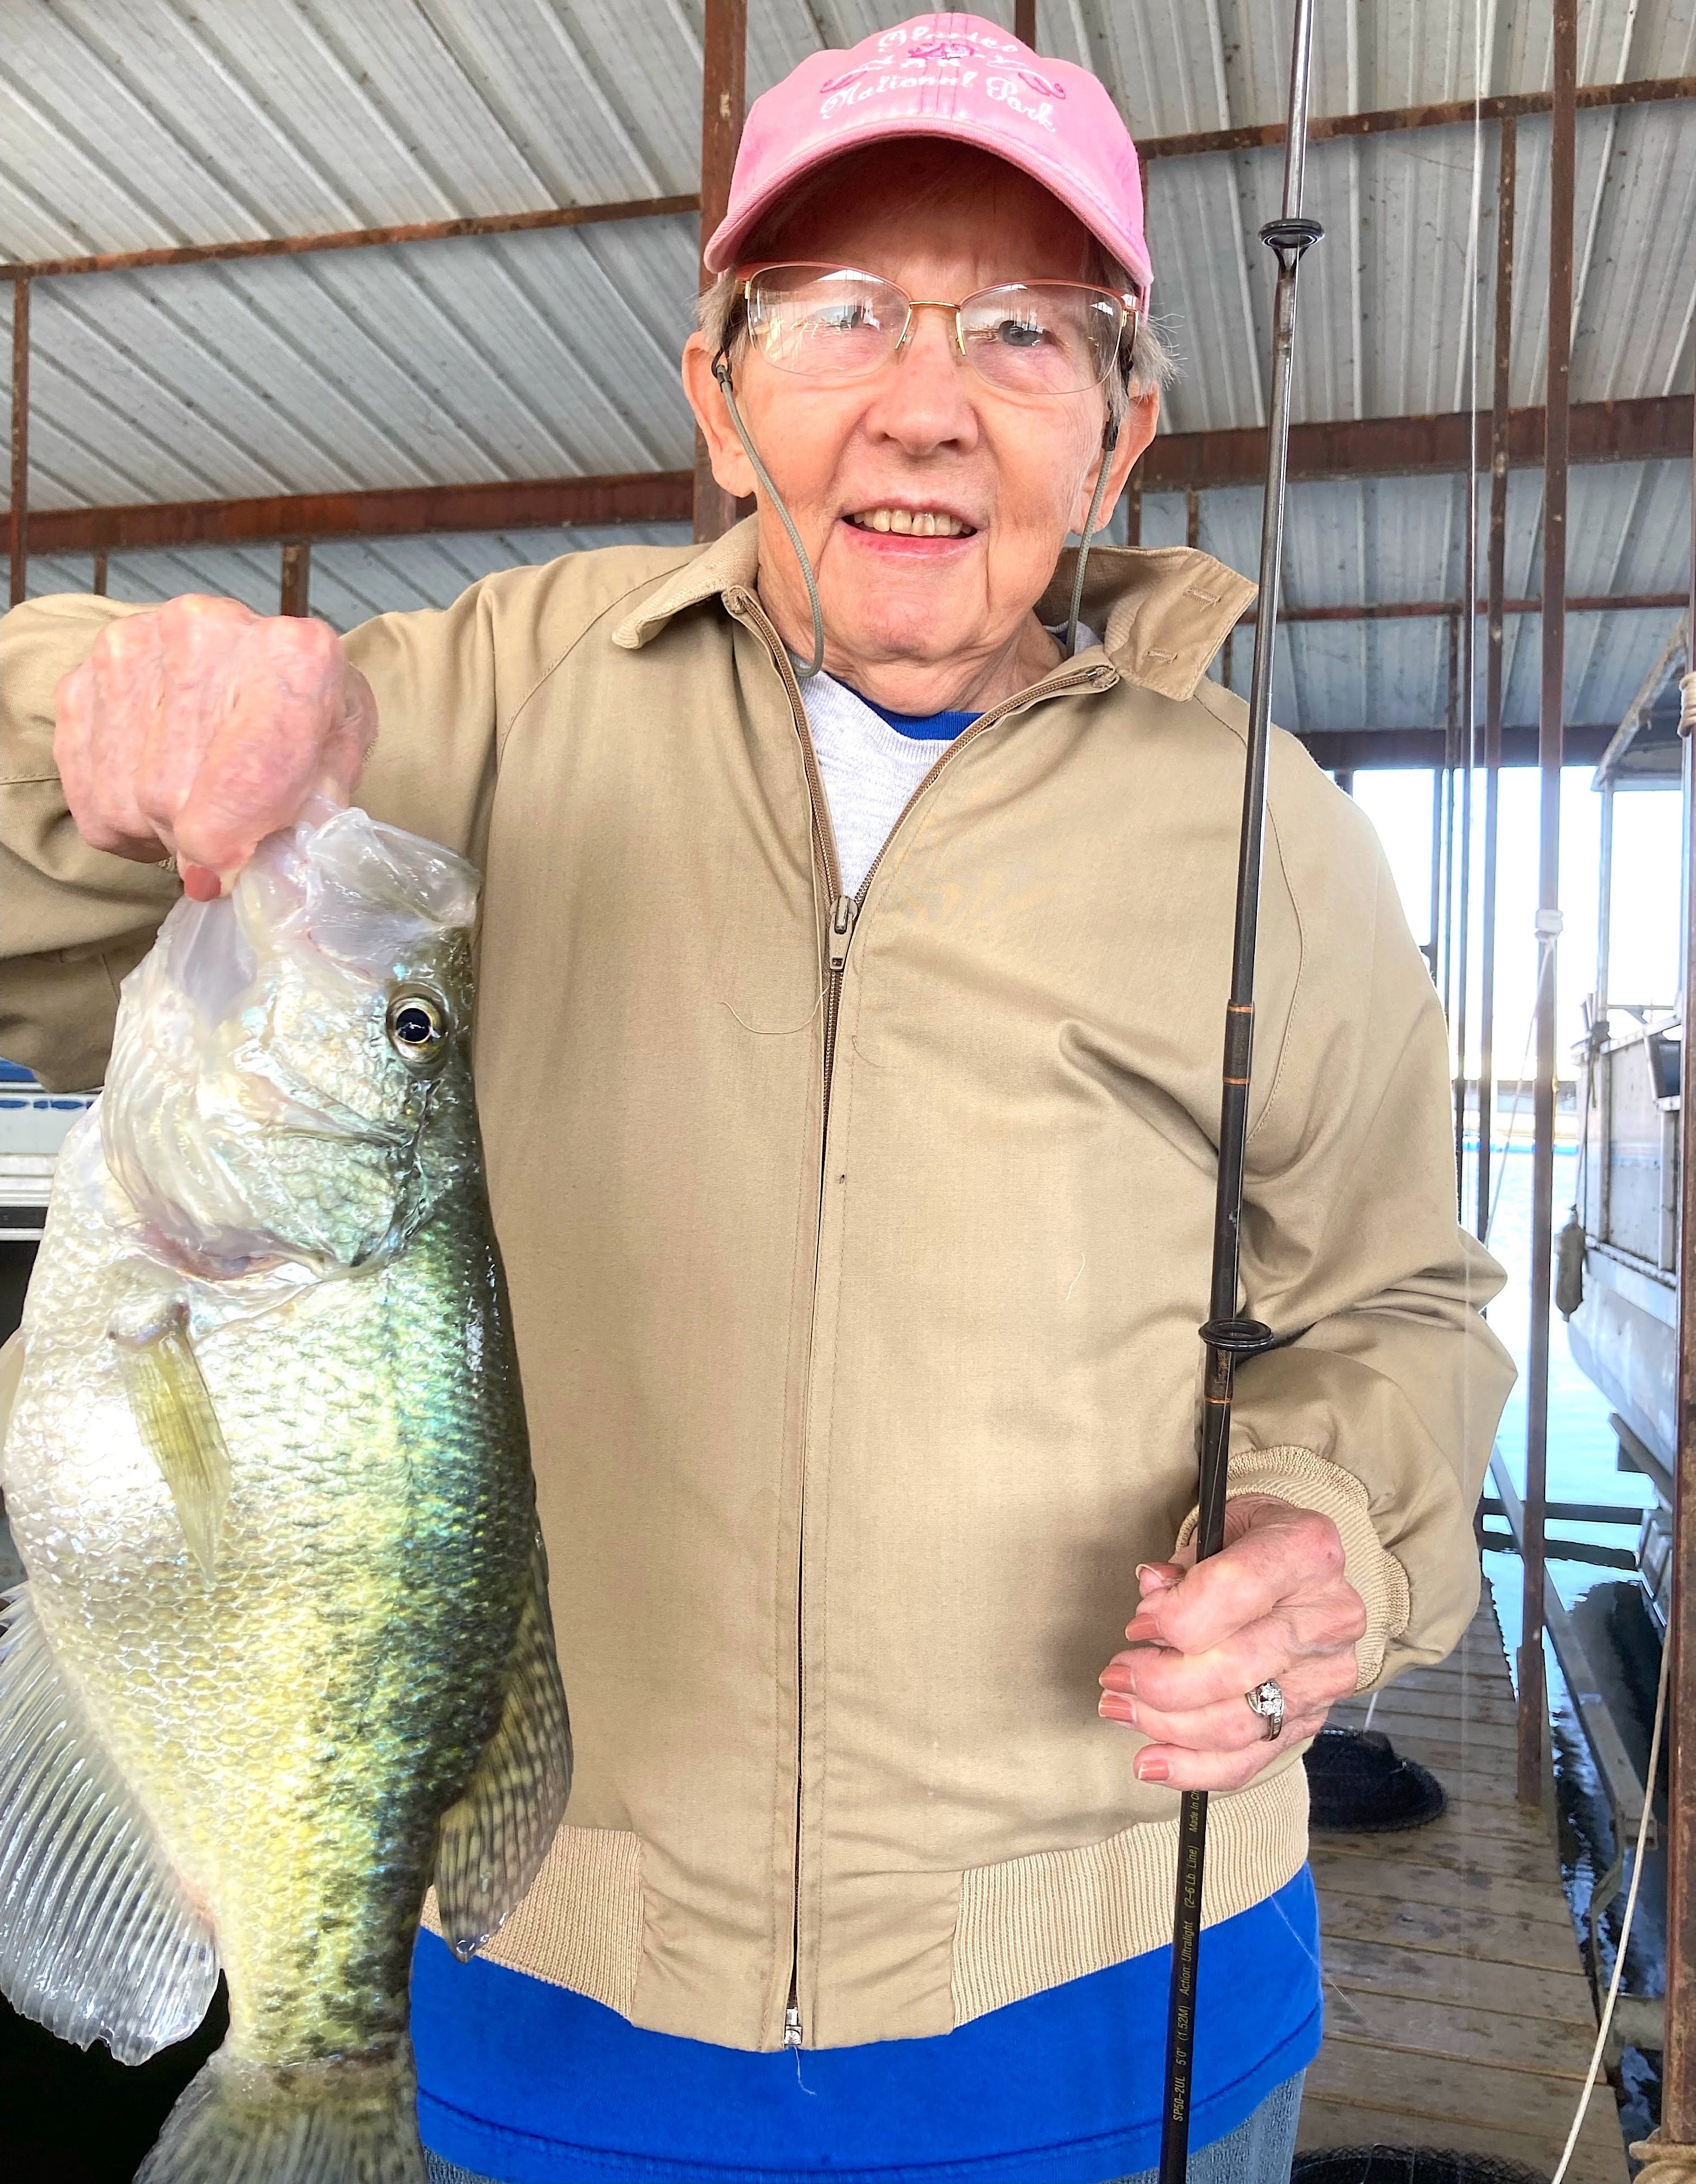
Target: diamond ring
[(1266, 1700)]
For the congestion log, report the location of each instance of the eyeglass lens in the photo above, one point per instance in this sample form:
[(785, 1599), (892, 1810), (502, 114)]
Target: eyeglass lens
[(1030, 339)]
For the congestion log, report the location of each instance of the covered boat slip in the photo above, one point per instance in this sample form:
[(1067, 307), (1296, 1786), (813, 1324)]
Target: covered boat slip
[(1456, 2011), (337, 311)]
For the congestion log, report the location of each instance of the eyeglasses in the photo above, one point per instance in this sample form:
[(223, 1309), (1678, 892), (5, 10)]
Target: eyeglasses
[(1032, 338)]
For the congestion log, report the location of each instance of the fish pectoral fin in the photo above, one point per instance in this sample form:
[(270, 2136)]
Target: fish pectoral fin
[(494, 1839), (99, 1939), (173, 1411)]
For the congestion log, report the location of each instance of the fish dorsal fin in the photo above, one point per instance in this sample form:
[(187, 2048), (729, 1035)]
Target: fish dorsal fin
[(173, 1415), (98, 1940), (495, 1838)]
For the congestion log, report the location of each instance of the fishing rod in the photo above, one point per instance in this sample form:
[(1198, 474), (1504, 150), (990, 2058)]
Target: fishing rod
[(1227, 1334)]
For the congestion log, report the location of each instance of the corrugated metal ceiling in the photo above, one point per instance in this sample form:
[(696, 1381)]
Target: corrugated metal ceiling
[(553, 353)]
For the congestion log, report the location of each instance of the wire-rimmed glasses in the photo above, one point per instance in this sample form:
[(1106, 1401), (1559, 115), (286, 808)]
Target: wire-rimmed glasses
[(1028, 339)]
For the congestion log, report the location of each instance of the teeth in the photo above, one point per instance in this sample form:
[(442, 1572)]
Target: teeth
[(916, 523)]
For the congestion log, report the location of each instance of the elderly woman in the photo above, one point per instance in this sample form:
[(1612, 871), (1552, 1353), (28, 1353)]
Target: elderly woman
[(854, 936)]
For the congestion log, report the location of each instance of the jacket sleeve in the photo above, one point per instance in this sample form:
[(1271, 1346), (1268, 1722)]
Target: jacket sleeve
[(77, 920), (1380, 1406)]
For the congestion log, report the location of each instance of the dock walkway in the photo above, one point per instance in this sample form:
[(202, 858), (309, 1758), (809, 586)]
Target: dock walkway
[(1456, 2011)]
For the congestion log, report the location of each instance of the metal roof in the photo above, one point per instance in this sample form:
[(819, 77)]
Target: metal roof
[(553, 353)]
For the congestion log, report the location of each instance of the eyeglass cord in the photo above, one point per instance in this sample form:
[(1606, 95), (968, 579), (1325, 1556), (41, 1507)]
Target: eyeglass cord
[(721, 372)]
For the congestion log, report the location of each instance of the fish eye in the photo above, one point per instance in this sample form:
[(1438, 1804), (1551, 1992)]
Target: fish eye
[(417, 1025)]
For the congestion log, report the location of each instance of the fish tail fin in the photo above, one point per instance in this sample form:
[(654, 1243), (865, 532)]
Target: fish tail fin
[(349, 2121)]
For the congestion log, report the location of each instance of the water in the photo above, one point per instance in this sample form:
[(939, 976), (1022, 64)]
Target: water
[(1582, 1467), (1582, 1452)]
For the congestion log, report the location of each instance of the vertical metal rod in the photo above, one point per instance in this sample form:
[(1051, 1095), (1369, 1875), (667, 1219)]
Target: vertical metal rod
[(18, 538), (1434, 950), (723, 92), (1533, 1702), (1133, 511), (100, 575), (1678, 2061), (1192, 518), (1605, 911), (1025, 22), (297, 579), (1450, 749), (1228, 1337), (1463, 945), (1497, 581), (1345, 780)]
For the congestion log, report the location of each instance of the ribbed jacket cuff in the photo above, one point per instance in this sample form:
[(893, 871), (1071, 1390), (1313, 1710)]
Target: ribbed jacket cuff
[(1307, 1481)]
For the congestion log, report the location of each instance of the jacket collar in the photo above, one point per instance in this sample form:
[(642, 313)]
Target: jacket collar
[(1163, 611)]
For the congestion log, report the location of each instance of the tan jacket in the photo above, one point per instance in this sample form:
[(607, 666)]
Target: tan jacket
[(857, 1308)]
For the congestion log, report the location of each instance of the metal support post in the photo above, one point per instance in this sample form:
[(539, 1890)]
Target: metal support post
[(297, 577), (1678, 2064), (100, 574), (17, 540), (1492, 662), (1433, 951), (1192, 518), (1025, 22), (1532, 1702), (723, 94)]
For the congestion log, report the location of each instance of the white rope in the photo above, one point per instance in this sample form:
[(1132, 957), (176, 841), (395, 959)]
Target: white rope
[(1631, 1906)]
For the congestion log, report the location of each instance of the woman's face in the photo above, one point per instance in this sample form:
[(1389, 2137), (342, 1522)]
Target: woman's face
[(924, 434)]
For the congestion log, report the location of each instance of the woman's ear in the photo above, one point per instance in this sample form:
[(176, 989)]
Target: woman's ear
[(730, 465), (1137, 430)]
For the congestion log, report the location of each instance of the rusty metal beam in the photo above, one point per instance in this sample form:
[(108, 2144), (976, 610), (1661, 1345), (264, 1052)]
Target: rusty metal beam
[(1657, 429), (1361, 750), (1025, 22), (18, 514), (638, 496), (1646, 92), (723, 95), (1445, 609), (353, 238), (1533, 1704), (1495, 606), (1393, 120)]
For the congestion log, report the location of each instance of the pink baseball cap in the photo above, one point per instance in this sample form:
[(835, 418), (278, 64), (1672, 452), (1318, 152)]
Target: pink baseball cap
[(949, 75)]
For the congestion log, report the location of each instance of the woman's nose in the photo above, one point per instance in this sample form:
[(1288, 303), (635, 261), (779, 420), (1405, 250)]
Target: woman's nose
[(925, 398)]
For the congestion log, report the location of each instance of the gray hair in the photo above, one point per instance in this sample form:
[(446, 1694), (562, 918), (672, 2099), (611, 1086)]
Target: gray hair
[(1154, 361)]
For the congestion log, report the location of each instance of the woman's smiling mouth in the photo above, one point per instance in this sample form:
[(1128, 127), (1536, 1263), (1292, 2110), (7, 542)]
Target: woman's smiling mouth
[(928, 523)]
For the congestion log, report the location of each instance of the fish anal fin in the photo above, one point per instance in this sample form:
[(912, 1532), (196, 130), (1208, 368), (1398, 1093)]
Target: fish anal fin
[(494, 1837), (98, 1940), (173, 1415)]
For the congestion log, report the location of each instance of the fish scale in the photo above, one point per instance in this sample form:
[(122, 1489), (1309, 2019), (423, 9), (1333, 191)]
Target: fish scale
[(299, 1737)]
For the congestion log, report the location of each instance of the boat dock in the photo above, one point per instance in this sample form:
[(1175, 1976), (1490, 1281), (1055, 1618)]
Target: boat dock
[(1457, 2010)]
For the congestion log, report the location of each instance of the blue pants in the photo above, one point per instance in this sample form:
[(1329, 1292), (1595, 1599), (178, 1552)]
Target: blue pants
[(1259, 2151)]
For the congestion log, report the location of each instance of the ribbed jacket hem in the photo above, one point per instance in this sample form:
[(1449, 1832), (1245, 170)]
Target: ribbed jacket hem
[(1033, 1922)]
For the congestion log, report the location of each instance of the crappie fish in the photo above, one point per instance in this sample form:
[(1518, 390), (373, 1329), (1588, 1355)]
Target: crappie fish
[(284, 1650)]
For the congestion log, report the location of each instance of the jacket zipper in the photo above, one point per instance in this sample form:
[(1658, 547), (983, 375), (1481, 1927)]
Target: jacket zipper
[(844, 911)]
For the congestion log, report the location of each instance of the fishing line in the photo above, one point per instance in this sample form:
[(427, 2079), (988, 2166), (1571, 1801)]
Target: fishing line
[(1596, 2053)]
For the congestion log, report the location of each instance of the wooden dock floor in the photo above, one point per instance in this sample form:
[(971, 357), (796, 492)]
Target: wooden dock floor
[(1457, 2012)]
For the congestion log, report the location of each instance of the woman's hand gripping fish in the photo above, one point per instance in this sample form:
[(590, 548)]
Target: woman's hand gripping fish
[(285, 1649)]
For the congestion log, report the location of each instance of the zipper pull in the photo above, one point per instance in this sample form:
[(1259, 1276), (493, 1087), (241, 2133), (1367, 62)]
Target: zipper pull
[(792, 2026), (843, 912)]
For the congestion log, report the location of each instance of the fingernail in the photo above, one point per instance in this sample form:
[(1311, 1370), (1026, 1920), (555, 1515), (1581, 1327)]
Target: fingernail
[(1114, 1678), (200, 884), (1150, 1578), (1141, 1627), (1112, 1707), (1150, 1768)]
